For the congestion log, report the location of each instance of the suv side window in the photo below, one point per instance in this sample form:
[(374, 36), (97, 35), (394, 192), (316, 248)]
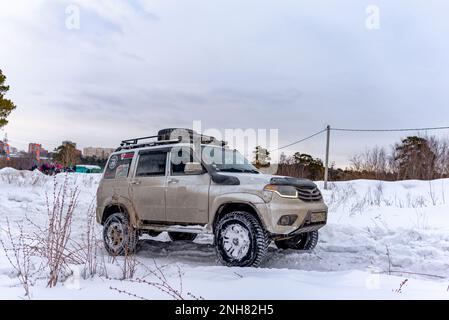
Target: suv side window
[(179, 158), (151, 164), (118, 165)]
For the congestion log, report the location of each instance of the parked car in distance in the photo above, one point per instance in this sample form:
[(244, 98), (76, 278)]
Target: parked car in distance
[(84, 168)]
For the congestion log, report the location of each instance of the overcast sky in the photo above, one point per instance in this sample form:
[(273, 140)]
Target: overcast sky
[(134, 67)]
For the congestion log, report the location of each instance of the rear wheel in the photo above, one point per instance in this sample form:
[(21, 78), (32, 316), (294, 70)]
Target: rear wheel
[(240, 240), (182, 236), (303, 241), (119, 236)]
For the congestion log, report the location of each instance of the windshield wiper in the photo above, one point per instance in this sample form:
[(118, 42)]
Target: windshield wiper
[(251, 171), (238, 170), (231, 170)]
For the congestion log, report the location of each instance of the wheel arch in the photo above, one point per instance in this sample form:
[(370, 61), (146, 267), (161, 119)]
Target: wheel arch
[(113, 208), (229, 207)]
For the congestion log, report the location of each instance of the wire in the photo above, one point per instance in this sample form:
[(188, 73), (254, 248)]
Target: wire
[(299, 141), (389, 130), (361, 130)]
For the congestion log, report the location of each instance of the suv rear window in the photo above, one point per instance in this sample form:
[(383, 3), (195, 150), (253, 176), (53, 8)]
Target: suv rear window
[(152, 164), (118, 166)]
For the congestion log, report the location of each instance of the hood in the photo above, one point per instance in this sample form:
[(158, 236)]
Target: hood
[(264, 179)]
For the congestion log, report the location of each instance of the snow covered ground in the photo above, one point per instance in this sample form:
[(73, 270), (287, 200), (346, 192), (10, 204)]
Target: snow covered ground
[(384, 240)]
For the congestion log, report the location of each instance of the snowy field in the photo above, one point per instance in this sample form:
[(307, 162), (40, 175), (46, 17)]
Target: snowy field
[(384, 240)]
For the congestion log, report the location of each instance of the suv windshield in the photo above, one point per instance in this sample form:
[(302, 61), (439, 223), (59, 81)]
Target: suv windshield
[(226, 160)]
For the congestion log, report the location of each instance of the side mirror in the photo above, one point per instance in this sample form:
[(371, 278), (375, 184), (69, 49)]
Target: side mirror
[(193, 168)]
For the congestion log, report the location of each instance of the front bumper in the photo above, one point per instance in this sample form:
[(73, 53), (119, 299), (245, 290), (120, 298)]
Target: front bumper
[(302, 229), (271, 213)]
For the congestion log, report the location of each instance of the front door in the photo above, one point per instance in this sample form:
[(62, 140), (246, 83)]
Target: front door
[(148, 185), (187, 195)]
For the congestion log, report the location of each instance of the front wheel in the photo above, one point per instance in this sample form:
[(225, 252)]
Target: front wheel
[(119, 236), (240, 240), (303, 241)]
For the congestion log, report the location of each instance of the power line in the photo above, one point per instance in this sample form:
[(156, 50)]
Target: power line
[(390, 130), (302, 140), (363, 130)]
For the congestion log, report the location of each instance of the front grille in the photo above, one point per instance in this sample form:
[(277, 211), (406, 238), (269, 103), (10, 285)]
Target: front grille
[(309, 193)]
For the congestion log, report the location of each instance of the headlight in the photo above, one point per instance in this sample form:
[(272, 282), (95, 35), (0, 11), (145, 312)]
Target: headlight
[(282, 191)]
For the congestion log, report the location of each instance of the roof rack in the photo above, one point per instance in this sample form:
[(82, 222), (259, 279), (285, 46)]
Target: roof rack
[(163, 137), (166, 134)]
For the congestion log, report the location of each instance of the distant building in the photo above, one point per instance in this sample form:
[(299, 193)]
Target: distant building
[(33, 148), (99, 153), (14, 151)]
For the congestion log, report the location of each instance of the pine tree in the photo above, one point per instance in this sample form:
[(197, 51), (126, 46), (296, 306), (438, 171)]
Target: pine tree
[(310, 167), (415, 159), (6, 105)]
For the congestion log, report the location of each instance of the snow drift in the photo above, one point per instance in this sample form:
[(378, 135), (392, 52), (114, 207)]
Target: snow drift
[(378, 235)]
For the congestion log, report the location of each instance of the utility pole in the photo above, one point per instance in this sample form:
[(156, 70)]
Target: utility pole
[(326, 165)]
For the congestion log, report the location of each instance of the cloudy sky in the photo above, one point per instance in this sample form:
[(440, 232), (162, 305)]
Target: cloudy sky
[(134, 67)]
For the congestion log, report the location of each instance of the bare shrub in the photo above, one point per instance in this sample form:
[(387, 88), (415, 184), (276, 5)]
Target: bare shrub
[(374, 163), (378, 193), (52, 241), (415, 157), (60, 214), (89, 248), (440, 148), (161, 283), (126, 292), (359, 205), (432, 194), (130, 263), (341, 195), (443, 193), (389, 259), (421, 218), (418, 202), (401, 286), (19, 252)]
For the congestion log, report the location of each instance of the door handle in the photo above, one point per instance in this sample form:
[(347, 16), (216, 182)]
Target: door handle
[(135, 183), (173, 180)]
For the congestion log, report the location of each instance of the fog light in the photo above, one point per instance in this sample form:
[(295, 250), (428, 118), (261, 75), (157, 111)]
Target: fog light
[(287, 220)]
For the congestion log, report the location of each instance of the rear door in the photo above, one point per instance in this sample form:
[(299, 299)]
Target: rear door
[(187, 195), (114, 186), (148, 185)]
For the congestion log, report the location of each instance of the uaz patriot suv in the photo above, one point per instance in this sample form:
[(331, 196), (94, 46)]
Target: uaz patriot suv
[(199, 185)]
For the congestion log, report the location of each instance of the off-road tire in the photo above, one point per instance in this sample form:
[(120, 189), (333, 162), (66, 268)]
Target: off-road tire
[(258, 240), (303, 241), (182, 236), (129, 234)]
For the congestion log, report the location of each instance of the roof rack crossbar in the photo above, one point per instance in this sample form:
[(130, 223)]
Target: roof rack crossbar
[(148, 144), (136, 140)]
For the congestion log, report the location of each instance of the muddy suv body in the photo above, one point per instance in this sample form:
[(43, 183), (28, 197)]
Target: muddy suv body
[(167, 185)]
